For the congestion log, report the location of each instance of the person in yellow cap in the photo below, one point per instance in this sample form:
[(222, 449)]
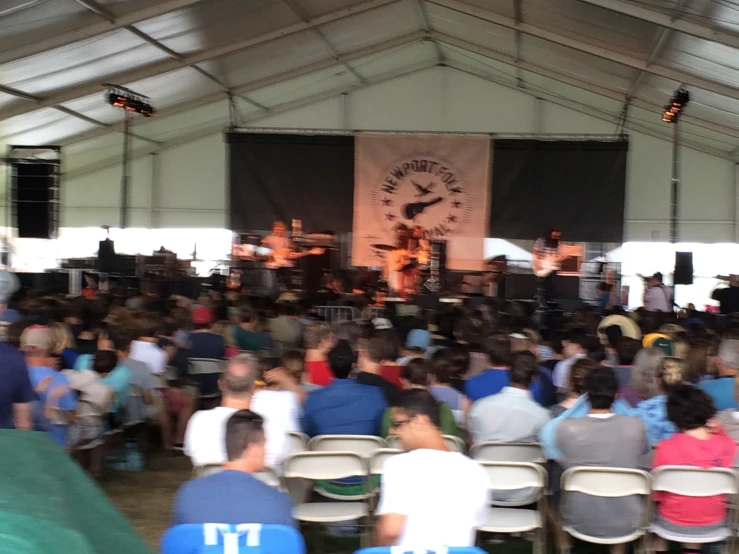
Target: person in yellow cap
[(661, 341)]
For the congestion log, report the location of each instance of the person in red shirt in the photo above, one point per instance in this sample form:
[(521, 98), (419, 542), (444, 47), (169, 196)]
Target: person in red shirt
[(390, 352), (91, 287), (698, 443), (319, 340)]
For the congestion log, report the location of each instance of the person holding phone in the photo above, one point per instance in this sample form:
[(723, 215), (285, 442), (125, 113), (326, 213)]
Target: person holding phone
[(277, 398)]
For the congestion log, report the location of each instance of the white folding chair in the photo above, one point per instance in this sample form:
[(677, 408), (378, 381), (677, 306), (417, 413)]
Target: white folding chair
[(529, 452), (607, 482), (206, 366), (513, 476), (393, 441), (297, 442), (203, 470), (269, 477), (378, 459), (455, 444), (695, 482), (327, 466), (364, 445)]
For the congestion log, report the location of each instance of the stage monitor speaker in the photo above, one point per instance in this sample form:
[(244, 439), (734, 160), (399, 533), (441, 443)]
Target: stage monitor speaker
[(35, 199), (106, 256), (683, 268)]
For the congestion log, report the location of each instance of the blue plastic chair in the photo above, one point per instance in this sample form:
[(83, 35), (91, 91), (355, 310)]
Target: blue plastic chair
[(441, 550), (222, 538)]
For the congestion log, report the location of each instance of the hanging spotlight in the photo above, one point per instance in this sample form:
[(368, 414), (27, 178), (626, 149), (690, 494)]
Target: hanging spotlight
[(121, 97), (677, 104)]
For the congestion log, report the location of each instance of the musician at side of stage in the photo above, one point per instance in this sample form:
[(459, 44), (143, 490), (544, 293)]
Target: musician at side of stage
[(419, 244), (547, 254), (396, 264)]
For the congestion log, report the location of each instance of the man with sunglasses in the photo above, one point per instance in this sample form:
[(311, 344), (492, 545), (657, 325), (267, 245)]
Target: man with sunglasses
[(430, 496)]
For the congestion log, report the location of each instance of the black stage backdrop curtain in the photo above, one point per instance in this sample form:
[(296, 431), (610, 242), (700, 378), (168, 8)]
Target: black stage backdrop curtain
[(283, 177), (576, 186)]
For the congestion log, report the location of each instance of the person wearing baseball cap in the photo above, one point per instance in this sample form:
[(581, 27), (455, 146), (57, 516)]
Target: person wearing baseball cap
[(417, 343), (51, 386), (204, 343), (16, 392)]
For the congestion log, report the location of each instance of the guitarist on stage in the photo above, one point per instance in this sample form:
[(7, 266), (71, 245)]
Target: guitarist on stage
[(281, 247), (547, 258)]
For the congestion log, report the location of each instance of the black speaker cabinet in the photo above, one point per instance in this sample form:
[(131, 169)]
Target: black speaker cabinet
[(683, 268), (35, 199)]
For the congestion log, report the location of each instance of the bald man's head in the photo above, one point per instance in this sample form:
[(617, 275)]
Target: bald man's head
[(239, 376)]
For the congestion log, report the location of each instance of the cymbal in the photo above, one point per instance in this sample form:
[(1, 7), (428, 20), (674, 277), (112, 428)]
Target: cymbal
[(382, 247)]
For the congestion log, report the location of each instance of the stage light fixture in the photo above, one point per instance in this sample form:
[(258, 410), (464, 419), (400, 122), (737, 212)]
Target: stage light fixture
[(677, 104), (126, 99), (130, 102)]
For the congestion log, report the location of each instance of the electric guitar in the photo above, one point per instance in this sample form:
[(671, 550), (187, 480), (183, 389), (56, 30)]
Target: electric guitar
[(285, 257), (545, 265)]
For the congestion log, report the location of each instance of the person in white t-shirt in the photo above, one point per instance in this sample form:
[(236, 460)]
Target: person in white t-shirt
[(430, 496), (278, 405), (278, 402), (205, 434), (145, 349)]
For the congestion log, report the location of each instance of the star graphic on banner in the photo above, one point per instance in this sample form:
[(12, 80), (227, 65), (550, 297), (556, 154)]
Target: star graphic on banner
[(387, 202), (389, 216), (451, 219), (456, 204)]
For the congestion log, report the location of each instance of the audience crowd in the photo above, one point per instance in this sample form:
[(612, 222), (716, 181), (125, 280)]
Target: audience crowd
[(641, 390)]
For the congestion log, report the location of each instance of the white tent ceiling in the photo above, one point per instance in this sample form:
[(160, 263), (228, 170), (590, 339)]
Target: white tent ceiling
[(606, 57)]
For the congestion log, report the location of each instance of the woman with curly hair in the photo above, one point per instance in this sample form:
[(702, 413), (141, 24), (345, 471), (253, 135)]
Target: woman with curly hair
[(697, 443)]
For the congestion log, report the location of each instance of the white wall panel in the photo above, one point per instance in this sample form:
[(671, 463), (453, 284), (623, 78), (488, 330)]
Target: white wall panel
[(191, 178), (471, 104), (409, 104), (94, 199)]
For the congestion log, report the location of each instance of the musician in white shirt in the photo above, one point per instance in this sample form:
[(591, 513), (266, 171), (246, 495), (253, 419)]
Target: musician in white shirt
[(281, 247), (657, 297), (396, 265), (547, 255), (278, 242)]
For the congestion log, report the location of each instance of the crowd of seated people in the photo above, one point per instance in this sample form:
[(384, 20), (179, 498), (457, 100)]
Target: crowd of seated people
[(590, 395)]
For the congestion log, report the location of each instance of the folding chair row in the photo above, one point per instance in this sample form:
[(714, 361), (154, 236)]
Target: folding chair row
[(269, 476), (680, 480), (364, 445)]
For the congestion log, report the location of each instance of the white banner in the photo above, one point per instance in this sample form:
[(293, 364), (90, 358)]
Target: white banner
[(440, 182)]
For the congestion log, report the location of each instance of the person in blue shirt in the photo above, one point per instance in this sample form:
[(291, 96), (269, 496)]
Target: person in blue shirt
[(116, 376), (492, 381), (345, 407), (53, 393), (721, 389), (234, 495), (16, 393)]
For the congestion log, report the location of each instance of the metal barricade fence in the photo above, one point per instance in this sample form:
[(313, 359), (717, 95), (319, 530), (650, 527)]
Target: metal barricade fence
[(337, 314), (371, 312)]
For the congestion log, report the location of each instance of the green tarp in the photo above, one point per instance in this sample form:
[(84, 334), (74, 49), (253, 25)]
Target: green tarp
[(49, 505)]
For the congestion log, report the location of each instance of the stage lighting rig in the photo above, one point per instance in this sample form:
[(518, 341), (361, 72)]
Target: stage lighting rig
[(671, 114), (677, 104), (130, 102), (126, 99)]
